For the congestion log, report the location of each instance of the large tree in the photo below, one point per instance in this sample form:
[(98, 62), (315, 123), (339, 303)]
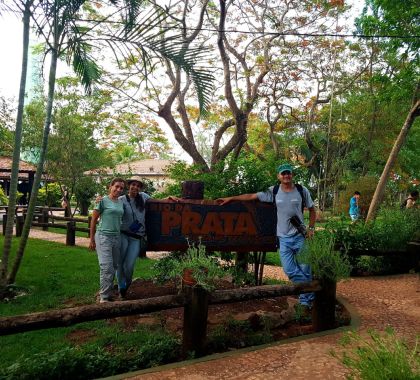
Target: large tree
[(395, 19), (246, 41)]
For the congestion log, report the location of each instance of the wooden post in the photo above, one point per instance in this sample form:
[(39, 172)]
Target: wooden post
[(89, 222), (4, 223), (195, 321), (71, 233), (45, 218), (323, 312), (192, 189), (241, 261), (19, 225)]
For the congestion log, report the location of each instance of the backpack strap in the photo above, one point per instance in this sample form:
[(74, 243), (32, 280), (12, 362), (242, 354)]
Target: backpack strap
[(299, 188)]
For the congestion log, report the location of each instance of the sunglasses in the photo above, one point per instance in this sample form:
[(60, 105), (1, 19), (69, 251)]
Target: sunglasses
[(286, 172)]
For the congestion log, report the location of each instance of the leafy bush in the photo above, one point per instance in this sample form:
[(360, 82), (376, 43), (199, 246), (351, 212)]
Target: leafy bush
[(246, 174), (373, 264), (238, 334), (50, 195), (92, 362), (206, 270), (380, 357), (325, 262), (391, 230), (366, 186), (3, 198)]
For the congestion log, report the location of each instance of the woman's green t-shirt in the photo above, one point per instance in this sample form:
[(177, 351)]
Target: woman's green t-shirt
[(110, 216)]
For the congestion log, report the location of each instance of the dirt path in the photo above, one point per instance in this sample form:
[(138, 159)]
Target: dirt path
[(379, 301)]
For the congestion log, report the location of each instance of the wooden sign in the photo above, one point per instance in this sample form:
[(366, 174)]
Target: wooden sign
[(237, 226)]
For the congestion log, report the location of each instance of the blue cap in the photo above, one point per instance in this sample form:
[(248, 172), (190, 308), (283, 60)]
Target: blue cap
[(285, 167)]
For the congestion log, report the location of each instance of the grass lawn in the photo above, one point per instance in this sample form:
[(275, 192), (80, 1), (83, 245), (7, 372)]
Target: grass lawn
[(54, 276)]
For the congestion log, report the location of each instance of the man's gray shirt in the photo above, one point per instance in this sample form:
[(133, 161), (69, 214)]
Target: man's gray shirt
[(131, 213), (288, 204)]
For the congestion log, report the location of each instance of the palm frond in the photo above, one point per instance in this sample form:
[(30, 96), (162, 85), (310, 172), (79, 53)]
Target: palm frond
[(83, 64), (150, 38)]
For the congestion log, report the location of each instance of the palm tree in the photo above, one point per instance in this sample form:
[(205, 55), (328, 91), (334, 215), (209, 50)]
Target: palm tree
[(56, 22), (25, 8)]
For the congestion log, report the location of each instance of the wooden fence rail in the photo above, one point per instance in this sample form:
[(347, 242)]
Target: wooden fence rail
[(44, 218), (195, 301)]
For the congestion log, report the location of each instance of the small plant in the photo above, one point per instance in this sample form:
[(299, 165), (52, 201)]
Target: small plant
[(380, 357), (205, 269), (325, 262)]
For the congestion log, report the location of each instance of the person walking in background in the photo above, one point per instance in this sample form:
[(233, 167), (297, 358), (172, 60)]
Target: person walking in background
[(354, 210), (290, 200), (133, 232), (106, 238)]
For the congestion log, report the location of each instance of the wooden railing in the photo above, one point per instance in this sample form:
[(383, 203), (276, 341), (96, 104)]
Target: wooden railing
[(44, 217), (195, 301)]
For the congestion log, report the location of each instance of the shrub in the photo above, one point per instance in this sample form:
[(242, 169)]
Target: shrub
[(366, 186), (50, 195), (245, 174), (3, 198), (325, 262), (206, 270), (380, 357), (391, 230), (74, 363)]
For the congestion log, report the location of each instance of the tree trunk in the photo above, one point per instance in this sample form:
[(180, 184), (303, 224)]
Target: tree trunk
[(16, 152), (380, 188), (37, 180)]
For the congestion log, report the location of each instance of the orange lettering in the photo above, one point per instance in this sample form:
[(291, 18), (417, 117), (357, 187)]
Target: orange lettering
[(170, 220), (212, 223), (190, 222), (228, 219), (245, 225)]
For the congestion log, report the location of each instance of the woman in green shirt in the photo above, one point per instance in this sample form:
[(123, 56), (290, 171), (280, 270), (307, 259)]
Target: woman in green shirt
[(106, 238)]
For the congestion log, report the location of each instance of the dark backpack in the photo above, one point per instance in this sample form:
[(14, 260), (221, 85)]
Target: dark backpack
[(299, 188)]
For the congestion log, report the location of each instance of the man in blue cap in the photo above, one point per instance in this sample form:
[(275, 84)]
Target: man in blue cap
[(290, 200)]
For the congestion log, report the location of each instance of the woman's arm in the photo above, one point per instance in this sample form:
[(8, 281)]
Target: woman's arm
[(93, 222)]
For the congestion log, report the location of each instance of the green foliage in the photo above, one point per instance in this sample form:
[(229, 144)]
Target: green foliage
[(206, 270), (238, 334), (93, 361), (131, 136), (247, 174), (49, 195), (84, 190), (380, 357), (6, 122), (366, 186), (3, 198), (391, 230), (325, 262), (372, 264)]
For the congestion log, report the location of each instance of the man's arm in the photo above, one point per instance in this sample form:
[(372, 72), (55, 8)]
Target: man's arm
[(242, 197), (93, 222), (312, 220)]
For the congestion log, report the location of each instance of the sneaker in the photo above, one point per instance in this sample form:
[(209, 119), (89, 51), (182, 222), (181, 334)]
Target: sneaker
[(104, 300), (123, 294)]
